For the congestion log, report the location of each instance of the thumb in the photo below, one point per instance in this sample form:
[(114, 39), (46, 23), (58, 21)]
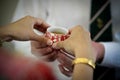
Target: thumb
[(58, 45), (42, 40)]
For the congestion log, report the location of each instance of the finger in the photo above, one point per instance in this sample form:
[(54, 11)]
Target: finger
[(66, 61), (41, 21), (37, 45), (43, 51), (51, 56), (58, 45), (68, 67), (65, 71), (41, 25), (41, 39), (64, 58)]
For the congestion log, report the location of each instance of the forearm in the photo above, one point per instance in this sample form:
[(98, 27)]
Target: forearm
[(84, 71), (2, 32)]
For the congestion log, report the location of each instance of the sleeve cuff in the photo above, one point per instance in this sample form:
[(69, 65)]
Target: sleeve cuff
[(112, 54)]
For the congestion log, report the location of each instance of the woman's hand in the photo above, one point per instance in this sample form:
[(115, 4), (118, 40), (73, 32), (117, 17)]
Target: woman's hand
[(65, 65), (22, 30), (44, 51)]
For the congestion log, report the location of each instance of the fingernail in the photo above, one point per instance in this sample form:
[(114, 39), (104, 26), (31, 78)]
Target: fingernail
[(54, 45), (49, 42)]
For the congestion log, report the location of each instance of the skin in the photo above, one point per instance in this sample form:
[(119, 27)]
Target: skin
[(65, 61), (22, 30), (44, 50), (84, 50)]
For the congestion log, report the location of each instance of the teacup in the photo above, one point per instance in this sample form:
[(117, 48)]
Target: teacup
[(57, 34)]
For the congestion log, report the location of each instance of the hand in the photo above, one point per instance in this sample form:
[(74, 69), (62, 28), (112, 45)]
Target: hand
[(65, 65), (78, 44), (44, 50), (46, 53), (23, 30)]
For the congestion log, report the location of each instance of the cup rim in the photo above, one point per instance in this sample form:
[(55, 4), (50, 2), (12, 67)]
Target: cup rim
[(59, 29)]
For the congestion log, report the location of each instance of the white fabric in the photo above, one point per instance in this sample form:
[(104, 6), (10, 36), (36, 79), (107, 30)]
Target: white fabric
[(65, 13), (112, 54)]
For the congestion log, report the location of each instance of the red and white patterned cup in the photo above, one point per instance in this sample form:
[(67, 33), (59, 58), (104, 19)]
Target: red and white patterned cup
[(57, 34)]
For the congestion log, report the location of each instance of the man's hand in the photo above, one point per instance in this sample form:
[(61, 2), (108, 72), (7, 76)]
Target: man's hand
[(78, 44)]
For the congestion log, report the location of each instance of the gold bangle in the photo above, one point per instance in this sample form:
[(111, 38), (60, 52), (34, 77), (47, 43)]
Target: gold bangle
[(84, 61)]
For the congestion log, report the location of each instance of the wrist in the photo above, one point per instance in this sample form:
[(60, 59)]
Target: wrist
[(89, 54), (101, 53), (86, 61), (100, 50), (4, 33)]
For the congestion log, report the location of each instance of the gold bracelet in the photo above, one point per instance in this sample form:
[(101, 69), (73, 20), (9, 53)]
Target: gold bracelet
[(84, 61)]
